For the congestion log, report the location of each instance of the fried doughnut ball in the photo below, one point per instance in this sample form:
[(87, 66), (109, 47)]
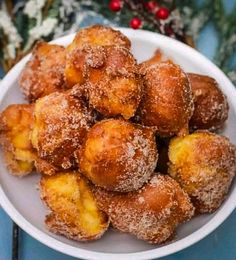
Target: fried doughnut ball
[(93, 36), (74, 212), (204, 165), (118, 155), (61, 122), (210, 104), (151, 213), (167, 102), (44, 72), (15, 129), (113, 85)]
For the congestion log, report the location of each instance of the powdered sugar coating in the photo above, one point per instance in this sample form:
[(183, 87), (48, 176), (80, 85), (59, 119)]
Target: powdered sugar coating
[(59, 226), (151, 213), (99, 56), (110, 74), (44, 73), (86, 48), (113, 83), (78, 61), (210, 104), (204, 164), (167, 102), (61, 123), (118, 155)]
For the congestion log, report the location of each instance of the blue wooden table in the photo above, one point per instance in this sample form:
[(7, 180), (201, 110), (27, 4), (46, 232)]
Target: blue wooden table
[(221, 244)]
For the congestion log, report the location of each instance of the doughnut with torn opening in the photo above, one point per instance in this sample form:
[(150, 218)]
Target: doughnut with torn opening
[(74, 212), (15, 130), (204, 164)]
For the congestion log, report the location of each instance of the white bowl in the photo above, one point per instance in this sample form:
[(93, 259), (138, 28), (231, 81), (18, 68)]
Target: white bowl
[(20, 197)]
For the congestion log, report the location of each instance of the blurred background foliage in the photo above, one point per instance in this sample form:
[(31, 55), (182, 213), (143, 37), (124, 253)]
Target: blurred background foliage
[(23, 23)]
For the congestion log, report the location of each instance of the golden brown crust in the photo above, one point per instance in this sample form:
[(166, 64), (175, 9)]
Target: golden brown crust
[(204, 164), (61, 122), (76, 65), (167, 102), (118, 155), (210, 104), (80, 51), (110, 74), (44, 72), (74, 212), (45, 167), (113, 83), (151, 213), (15, 128)]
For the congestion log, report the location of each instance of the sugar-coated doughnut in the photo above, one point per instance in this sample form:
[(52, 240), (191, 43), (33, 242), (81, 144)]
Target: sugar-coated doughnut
[(210, 104), (44, 72), (15, 129), (167, 103), (110, 76), (74, 212), (61, 122), (118, 155), (151, 213), (113, 83), (204, 164), (91, 37)]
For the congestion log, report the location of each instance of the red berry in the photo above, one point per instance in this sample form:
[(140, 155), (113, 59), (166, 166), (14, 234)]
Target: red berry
[(162, 13), (169, 31), (115, 5), (135, 23), (151, 5)]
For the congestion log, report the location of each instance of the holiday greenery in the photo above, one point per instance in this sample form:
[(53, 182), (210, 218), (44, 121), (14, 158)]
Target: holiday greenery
[(23, 23)]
